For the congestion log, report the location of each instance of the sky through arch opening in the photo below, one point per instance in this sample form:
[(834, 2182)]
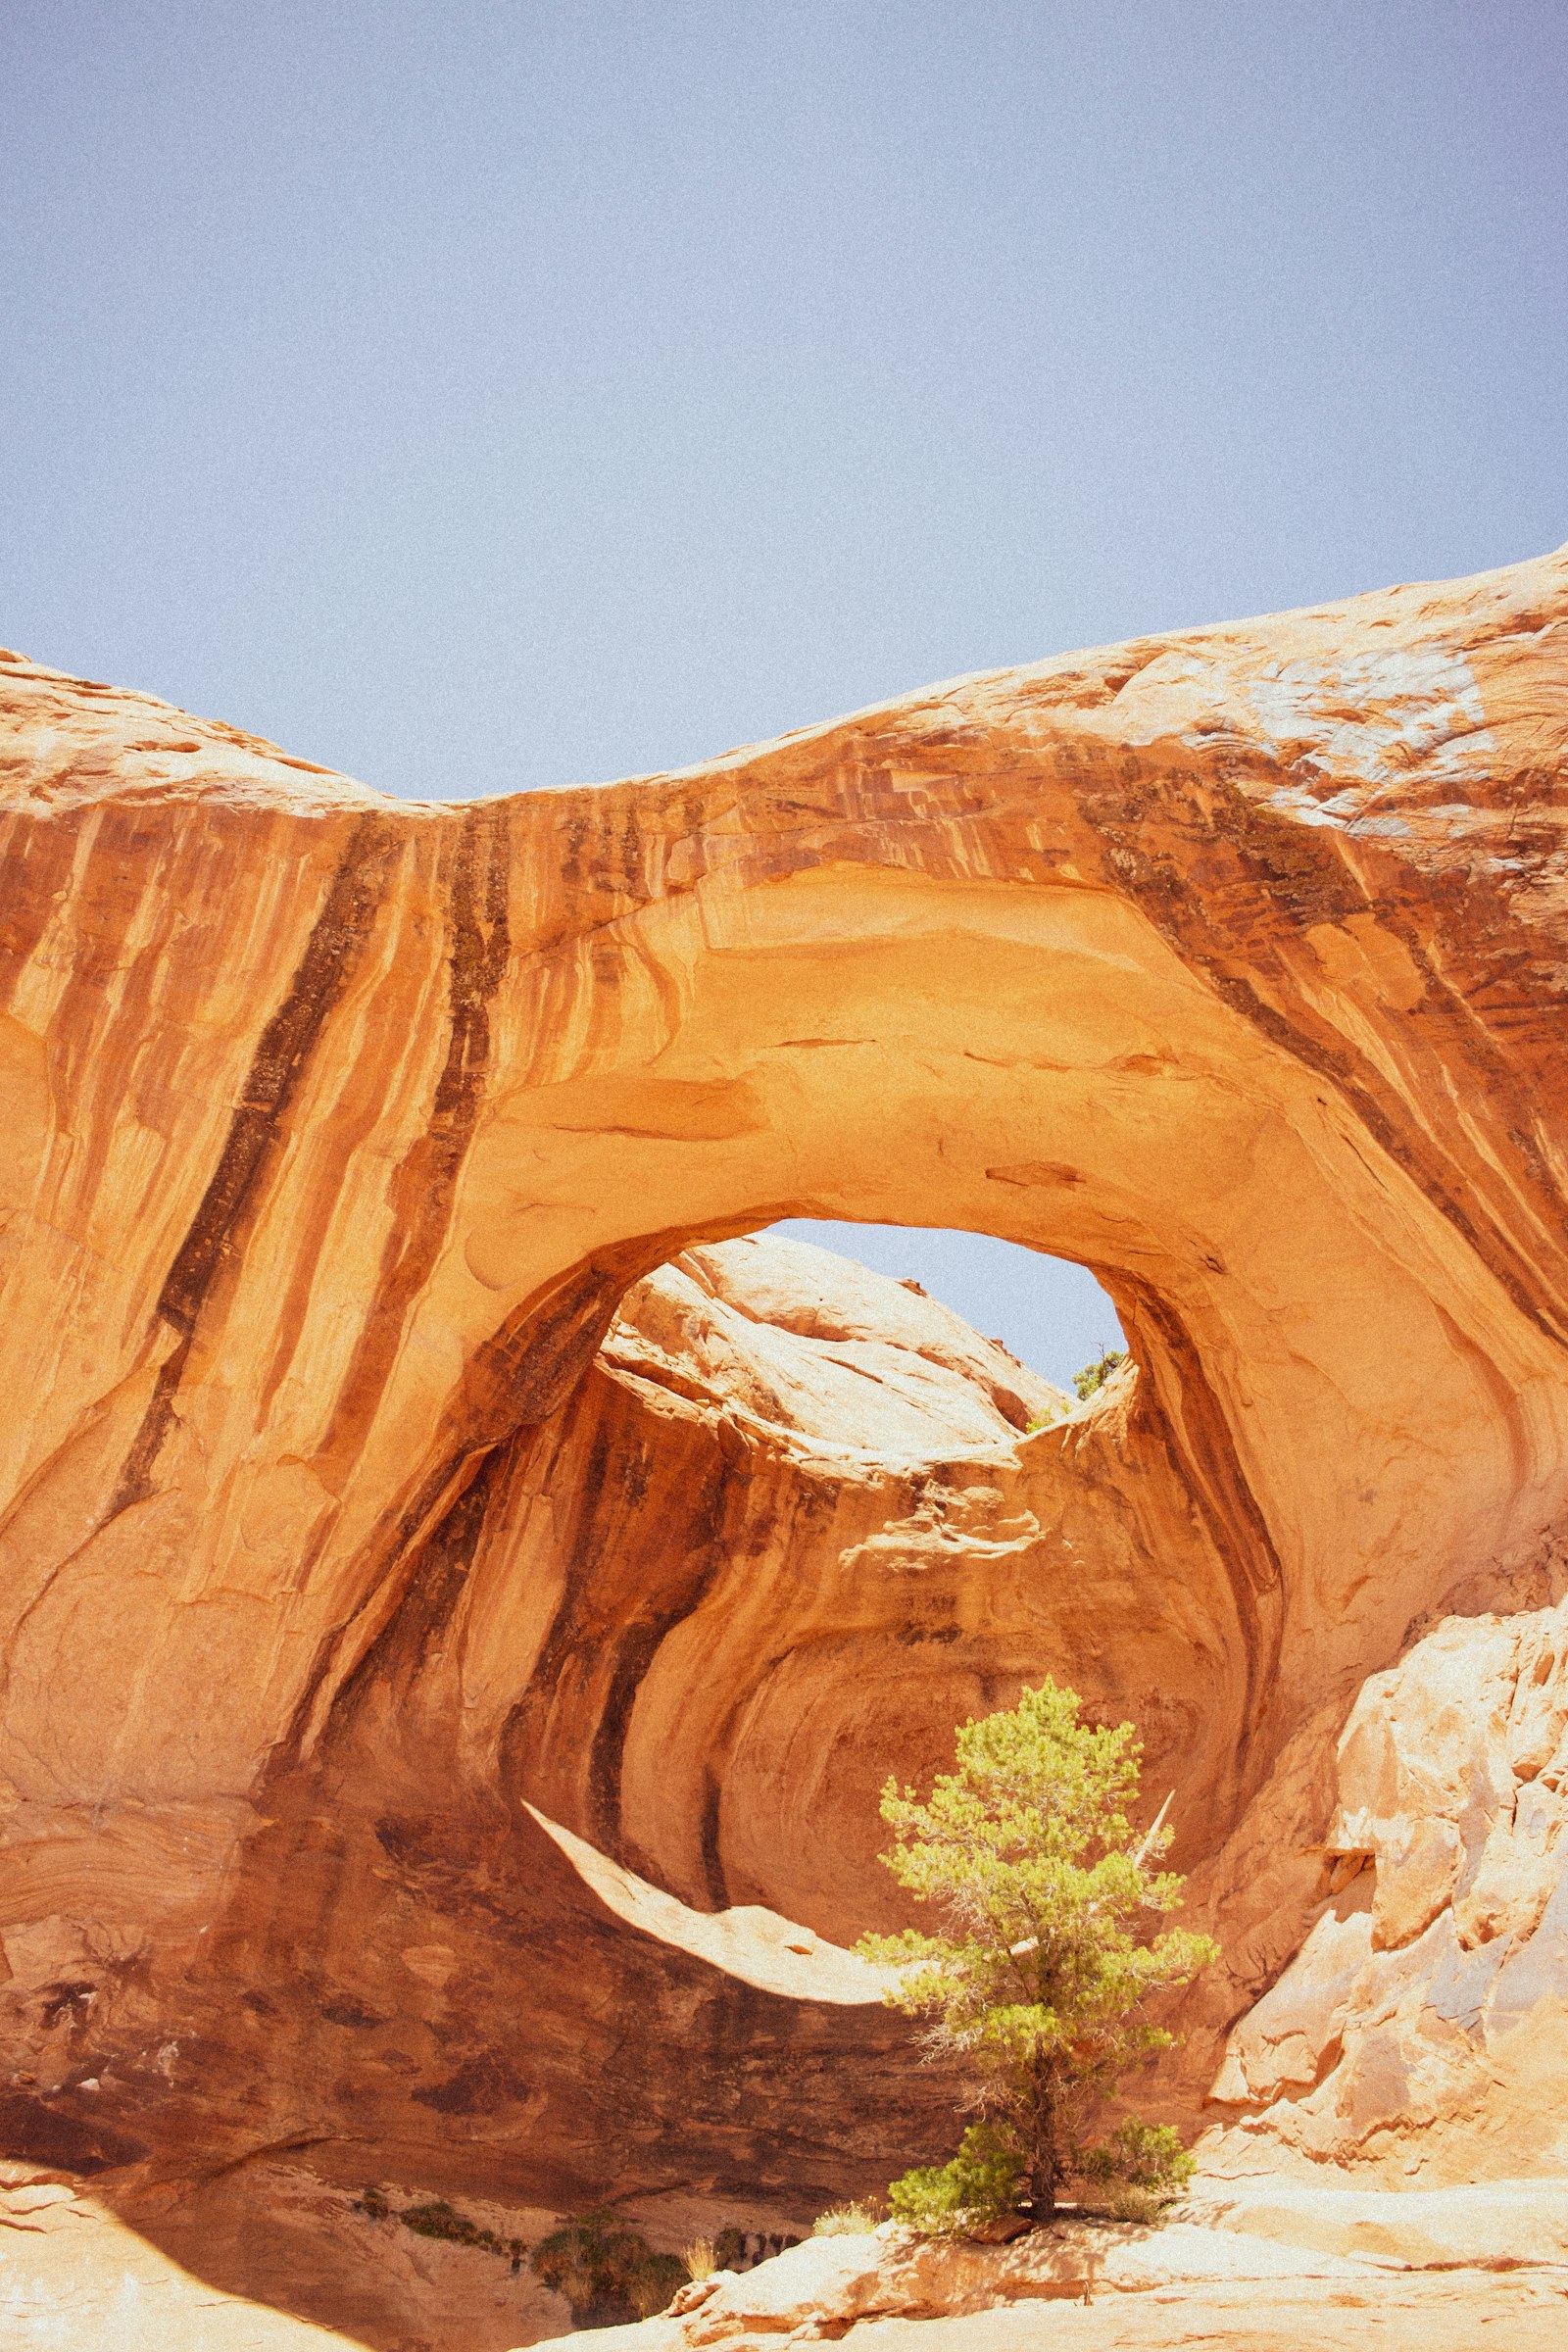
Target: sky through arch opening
[(1050, 1312)]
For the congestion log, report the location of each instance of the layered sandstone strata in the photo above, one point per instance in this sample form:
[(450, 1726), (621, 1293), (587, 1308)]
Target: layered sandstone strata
[(338, 1134)]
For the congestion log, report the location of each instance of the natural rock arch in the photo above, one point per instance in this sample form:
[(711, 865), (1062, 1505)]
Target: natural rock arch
[(1228, 963), (1157, 957)]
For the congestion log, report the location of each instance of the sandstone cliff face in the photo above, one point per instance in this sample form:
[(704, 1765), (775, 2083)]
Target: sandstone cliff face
[(344, 1519), (1425, 2021)]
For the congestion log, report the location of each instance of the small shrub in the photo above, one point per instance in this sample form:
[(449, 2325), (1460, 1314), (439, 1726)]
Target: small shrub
[(1134, 2173), (855, 2219), (1146, 2205), (607, 2271), (655, 2283), (1094, 1376), (983, 2183), (700, 2258), (438, 2218), (435, 2217)]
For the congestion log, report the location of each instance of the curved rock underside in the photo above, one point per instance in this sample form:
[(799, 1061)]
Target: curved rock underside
[(460, 1598)]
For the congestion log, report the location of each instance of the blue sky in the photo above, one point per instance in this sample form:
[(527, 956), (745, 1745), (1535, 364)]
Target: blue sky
[(479, 395)]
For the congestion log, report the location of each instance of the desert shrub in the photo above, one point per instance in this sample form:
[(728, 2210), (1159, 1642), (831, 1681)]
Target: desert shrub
[(654, 2282), (606, 2270), (1094, 1376), (1133, 2174), (438, 2218), (435, 2217), (855, 2219), (1039, 1987), (700, 2258), (981, 2184)]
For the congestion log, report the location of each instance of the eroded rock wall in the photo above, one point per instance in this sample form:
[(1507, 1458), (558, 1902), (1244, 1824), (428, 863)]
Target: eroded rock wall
[(1422, 2029)]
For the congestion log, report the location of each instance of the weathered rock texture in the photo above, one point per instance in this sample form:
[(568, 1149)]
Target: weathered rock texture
[(1263, 2279), (343, 1521), (1426, 2009)]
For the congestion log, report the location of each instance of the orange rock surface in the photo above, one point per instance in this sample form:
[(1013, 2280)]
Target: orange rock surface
[(401, 1438)]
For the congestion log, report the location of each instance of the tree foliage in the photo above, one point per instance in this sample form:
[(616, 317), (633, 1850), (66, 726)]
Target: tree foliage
[(1092, 1378), (1039, 1986), (986, 2178), (1087, 1383)]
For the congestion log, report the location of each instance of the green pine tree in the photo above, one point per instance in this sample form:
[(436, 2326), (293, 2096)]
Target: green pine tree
[(1039, 1984)]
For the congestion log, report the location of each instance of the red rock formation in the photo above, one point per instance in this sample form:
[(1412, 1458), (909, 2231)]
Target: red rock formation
[(1230, 963), (1422, 2025)]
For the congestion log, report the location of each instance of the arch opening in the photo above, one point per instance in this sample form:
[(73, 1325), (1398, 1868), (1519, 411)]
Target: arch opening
[(805, 1520), (1048, 1311)]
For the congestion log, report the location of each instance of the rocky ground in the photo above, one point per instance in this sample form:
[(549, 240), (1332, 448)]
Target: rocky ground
[(1282, 2269), (1264, 2268)]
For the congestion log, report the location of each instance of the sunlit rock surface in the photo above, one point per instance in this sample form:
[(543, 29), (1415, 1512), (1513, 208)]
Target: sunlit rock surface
[(1424, 2023), (1324, 2268), (402, 1437)]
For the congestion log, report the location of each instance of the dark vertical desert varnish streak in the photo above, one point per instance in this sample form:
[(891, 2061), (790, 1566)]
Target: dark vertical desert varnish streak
[(423, 1186), (331, 953)]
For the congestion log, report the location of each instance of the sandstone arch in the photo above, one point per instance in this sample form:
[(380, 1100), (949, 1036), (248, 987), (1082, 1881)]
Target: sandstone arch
[(1228, 963)]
